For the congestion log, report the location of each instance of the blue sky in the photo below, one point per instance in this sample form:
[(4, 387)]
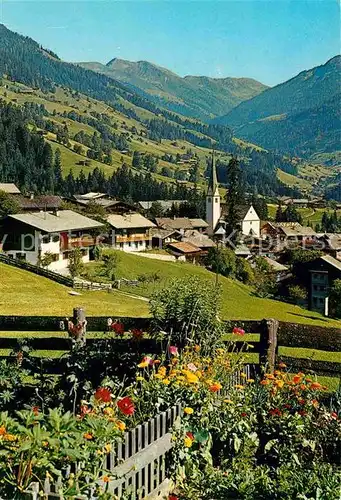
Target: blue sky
[(269, 40)]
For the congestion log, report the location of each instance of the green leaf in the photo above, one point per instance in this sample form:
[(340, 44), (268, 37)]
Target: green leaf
[(201, 436)]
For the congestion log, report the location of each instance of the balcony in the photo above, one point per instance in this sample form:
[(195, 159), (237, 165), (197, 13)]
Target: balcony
[(132, 238), (80, 242)]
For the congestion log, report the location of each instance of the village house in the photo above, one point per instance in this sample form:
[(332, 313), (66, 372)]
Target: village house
[(32, 203), (331, 244), (185, 251), (103, 200), (161, 237), (288, 232), (9, 188), (130, 232), (34, 235), (318, 276)]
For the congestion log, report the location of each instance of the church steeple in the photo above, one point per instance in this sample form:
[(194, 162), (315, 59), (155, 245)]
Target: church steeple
[(213, 189), (212, 199)]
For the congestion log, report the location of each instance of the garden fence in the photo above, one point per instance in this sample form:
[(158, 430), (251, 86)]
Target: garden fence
[(137, 466)]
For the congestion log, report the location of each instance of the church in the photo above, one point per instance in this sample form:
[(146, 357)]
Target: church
[(249, 221)]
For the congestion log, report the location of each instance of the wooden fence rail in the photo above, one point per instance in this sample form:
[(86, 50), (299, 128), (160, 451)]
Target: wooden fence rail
[(272, 335)]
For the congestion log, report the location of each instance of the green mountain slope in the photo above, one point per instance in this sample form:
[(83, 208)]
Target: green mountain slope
[(300, 116), (196, 96)]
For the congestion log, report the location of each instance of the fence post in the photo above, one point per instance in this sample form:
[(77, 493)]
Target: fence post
[(268, 345), (77, 327)]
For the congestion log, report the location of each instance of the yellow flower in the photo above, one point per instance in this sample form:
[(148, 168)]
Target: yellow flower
[(238, 386), (162, 370), (243, 375), (196, 348), (108, 411), (188, 410), (107, 448), (159, 376), (9, 437), (140, 379), (143, 364), (228, 401), (166, 381), (120, 425), (279, 383), (250, 380), (188, 442), (190, 377)]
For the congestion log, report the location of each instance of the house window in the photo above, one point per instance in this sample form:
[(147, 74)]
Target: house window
[(216, 200), (250, 222), (46, 238), (55, 238), (20, 256), (209, 200)]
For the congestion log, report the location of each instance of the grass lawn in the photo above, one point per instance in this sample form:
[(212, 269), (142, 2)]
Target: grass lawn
[(238, 300), (26, 294)]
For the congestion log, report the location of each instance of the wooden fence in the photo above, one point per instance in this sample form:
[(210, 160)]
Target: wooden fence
[(272, 335), (138, 465)]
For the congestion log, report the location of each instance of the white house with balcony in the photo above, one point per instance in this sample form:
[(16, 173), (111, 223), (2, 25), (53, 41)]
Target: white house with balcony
[(31, 236), (130, 232)]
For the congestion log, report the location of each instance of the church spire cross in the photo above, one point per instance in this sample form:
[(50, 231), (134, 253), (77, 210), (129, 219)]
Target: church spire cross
[(213, 183)]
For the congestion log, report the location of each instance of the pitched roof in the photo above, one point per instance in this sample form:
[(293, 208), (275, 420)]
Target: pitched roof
[(180, 223), (333, 262), (9, 188), (90, 196), (197, 239), (41, 202), (184, 247), (277, 266), (156, 232), (295, 229), (165, 204), (129, 221), (66, 220)]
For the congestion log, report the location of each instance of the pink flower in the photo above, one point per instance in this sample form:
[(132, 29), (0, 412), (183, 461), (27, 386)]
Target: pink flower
[(173, 350), (192, 367), (238, 331)]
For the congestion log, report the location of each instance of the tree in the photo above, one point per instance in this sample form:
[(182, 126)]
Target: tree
[(8, 205), (279, 213), (155, 210), (46, 259), (335, 299), (76, 265), (291, 214), (265, 278), (234, 193), (221, 260), (137, 161), (297, 293), (110, 261), (244, 271)]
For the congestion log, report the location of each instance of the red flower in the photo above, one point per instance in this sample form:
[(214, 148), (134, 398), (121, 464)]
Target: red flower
[(334, 415), (173, 497), (238, 331), (303, 413), (275, 412), (35, 410), (173, 350), (118, 327), (190, 435), (103, 395), (137, 333), (244, 414), (301, 401), (126, 406), (287, 406)]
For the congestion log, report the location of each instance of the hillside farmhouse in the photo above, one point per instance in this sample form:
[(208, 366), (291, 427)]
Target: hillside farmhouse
[(130, 232), (31, 236)]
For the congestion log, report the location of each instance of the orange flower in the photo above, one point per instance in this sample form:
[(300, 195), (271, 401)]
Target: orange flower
[(282, 365), (279, 383), (196, 348), (106, 479), (269, 376), (2, 430), (316, 386), (9, 437), (87, 436), (265, 382), (297, 379), (215, 387)]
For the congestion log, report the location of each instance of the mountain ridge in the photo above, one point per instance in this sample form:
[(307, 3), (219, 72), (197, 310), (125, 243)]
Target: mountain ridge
[(199, 97)]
